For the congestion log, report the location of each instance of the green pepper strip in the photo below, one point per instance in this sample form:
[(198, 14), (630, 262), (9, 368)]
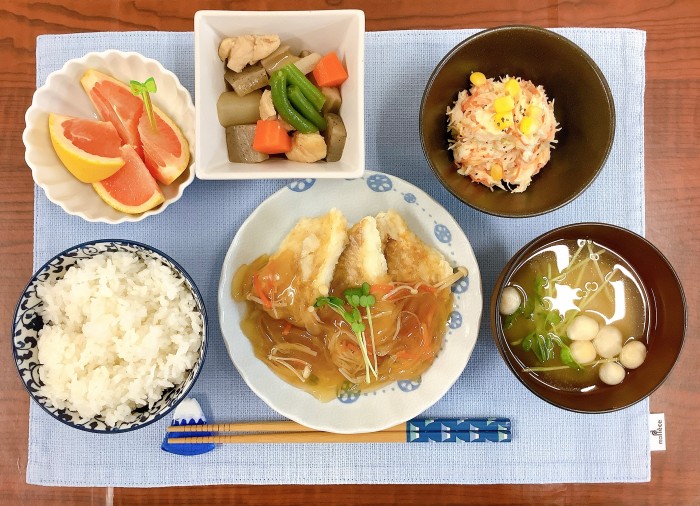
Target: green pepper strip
[(278, 88), (311, 92), (306, 108)]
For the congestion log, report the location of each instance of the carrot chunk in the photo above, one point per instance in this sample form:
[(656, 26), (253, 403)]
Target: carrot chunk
[(329, 71), (271, 137)]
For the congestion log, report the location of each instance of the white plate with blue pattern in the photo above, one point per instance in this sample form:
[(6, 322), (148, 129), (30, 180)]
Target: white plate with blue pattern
[(375, 192)]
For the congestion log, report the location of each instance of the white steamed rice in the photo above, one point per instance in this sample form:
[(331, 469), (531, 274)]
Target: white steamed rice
[(119, 330)]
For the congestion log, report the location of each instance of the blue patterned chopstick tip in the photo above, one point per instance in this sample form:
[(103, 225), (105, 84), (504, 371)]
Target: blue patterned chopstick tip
[(449, 430), (462, 424)]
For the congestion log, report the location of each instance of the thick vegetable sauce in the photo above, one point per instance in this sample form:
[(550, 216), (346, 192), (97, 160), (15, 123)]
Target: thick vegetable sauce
[(409, 329)]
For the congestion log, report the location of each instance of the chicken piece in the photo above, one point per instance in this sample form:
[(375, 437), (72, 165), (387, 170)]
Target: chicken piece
[(240, 51), (267, 108), (307, 147), (362, 259), (245, 50), (408, 258), (225, 48), (314, 246), (264, 46)]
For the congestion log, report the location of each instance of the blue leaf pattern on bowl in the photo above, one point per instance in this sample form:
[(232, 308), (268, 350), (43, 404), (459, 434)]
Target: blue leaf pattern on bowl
[(408, 385), (461, 286), (301, 185), (442, 233), (455, 320), (348, 393), (379, 183)]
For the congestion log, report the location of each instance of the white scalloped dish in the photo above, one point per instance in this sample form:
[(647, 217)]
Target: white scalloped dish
[(63, 94), (395, 403)]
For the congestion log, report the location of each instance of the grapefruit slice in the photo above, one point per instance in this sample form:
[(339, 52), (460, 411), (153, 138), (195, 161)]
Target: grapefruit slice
[(166, 151), (115, 103), (89, 149), (131, 189)]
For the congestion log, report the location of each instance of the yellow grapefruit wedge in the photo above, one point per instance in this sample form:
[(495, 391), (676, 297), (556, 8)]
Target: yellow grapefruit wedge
[(131, 189), (89, 149)]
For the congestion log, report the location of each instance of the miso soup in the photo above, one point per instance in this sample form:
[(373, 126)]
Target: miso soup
[(571, 307)]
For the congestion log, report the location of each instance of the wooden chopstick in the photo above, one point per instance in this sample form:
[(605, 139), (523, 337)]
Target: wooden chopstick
[(271, 426), (296, 437), (473, 424), (330, 437), (284, 431)]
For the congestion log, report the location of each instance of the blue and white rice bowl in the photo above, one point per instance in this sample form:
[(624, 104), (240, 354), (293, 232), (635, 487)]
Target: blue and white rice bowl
[(28, 322)]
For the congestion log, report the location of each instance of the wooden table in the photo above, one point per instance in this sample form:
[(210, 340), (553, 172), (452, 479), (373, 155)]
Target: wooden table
[(672, 208)]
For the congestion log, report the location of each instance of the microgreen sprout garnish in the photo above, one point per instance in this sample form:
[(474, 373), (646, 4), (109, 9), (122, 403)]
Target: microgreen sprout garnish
[(360, 297), (356, 298), (544, 340), (144, 90), (547, 339)]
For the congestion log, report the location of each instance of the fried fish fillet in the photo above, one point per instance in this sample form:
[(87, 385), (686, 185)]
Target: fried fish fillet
[(408, 258), (362, 259), (314, 246)]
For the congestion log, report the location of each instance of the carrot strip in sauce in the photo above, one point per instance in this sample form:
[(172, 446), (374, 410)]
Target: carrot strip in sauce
[(287, 328), (260, 292), (427, 289), (381, 289), (351, 346)]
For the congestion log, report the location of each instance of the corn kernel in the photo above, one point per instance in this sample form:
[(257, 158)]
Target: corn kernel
[(533, 111), (503, 120), (477, 78), (504, 104), (496, 172), (513, 87), (529, 125)]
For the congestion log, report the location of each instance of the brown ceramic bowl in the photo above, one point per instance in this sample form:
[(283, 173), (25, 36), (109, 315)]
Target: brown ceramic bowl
[(583, 107), (666, 319)]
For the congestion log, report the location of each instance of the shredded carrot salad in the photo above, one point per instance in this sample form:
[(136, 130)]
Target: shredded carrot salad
[(501, 131)]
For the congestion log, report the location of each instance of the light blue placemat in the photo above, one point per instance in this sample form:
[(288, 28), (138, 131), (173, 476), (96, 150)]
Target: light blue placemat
[(549, 444)]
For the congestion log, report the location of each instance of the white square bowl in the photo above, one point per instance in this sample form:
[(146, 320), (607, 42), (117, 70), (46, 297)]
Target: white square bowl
[(341, 31)]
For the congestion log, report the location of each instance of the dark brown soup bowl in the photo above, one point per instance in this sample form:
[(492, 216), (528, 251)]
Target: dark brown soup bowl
[(666, 318), (583, 107)]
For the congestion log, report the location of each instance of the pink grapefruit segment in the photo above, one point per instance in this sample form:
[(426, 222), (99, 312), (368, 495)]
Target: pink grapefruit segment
[(131, 189), (166, 151), (89, 149), (115, 103)]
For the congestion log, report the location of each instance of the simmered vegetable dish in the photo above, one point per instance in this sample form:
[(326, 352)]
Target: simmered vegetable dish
[(273, 108)]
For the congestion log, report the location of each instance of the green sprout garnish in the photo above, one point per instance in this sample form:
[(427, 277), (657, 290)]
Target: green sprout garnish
[(356, 298), (548, 334), (144, 90)]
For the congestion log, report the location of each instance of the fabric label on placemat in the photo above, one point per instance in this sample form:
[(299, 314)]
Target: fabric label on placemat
[(657, 432)]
